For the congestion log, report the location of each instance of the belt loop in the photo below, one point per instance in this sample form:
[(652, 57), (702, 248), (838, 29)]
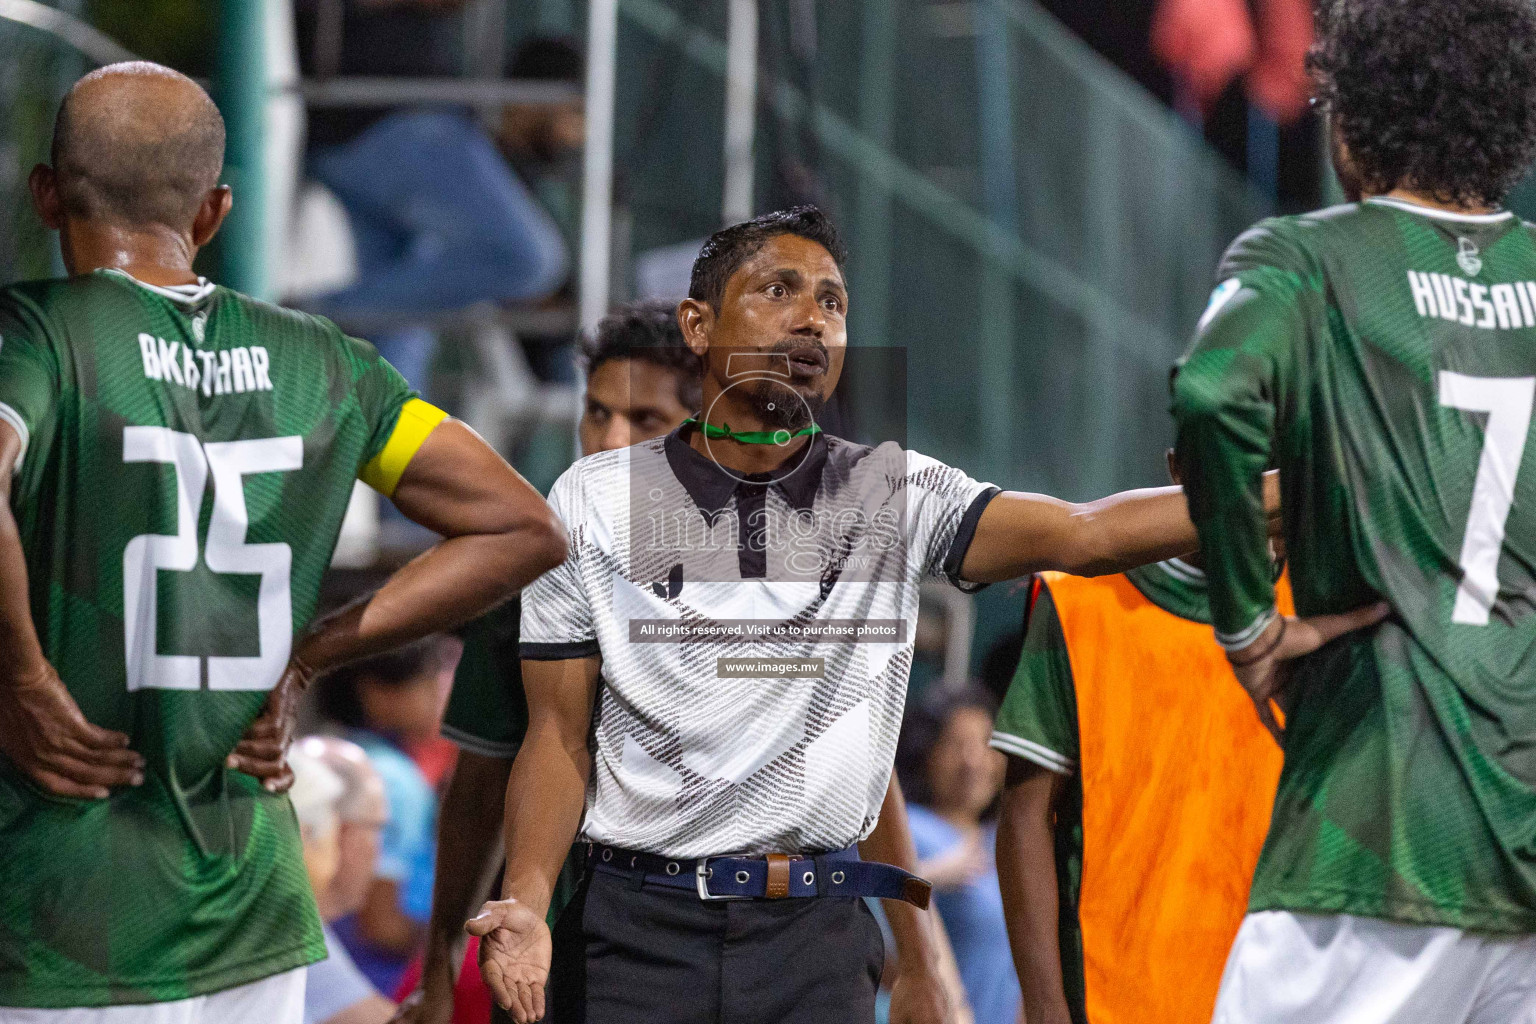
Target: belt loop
[(823, 874), (777, 887)]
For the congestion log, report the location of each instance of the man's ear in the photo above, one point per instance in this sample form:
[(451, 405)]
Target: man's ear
[(44, 184), (697, 320), (210, 215)]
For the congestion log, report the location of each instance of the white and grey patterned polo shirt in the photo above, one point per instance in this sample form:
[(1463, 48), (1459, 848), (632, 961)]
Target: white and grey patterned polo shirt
[(755, 634)]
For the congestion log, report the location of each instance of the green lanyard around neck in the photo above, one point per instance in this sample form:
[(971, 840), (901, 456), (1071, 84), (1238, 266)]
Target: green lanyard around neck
[(779, 437)]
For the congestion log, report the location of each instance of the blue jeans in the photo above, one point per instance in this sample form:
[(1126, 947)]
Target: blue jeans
[(440, 220)]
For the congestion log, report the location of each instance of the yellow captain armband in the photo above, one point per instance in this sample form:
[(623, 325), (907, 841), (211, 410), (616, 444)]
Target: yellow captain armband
[(417, 420)]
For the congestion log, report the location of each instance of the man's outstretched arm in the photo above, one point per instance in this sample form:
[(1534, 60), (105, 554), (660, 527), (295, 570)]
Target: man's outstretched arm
[(499, 537), (541, 824), (41, 727), (1019, 533)]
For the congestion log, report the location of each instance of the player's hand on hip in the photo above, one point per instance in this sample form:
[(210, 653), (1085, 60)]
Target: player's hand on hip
[(515, 949), (1263, 666), (263, 750), (44, 732)]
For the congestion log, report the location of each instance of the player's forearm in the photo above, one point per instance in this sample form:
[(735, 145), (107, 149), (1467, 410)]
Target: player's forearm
[(546, 796), (1026, 869), (460, 578), (469, 849), (1222, 450), (891, 843), (21, 655)]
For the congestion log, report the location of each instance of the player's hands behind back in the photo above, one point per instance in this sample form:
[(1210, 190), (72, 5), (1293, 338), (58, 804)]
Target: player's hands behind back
[(44, 732), (263, 750), (515, 949), (1263, 666)]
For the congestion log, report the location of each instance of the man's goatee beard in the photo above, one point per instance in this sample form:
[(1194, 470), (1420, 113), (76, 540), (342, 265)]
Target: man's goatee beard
[(782, 407)]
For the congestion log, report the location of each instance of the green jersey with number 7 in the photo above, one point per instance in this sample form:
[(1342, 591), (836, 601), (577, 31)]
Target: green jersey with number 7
[(1383, 356), (188, 457)]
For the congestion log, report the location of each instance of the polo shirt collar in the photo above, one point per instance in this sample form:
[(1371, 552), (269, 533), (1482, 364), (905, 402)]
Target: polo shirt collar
[(712, 488)]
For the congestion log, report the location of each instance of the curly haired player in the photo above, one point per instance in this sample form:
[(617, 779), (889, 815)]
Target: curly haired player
[(1383, 355)]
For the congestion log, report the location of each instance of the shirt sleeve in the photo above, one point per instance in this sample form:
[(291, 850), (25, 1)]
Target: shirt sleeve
[(29, 380), (1226, 398), (399, 422), (1038, 719), (943, 505), (487, 711), (557, 619)]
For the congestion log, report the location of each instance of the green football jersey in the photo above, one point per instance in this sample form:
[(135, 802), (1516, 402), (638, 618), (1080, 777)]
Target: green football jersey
[(1383, 356), (189, 454)]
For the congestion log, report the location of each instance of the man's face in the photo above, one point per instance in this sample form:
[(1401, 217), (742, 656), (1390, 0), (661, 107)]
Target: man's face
[(781, 332), (629, 401)]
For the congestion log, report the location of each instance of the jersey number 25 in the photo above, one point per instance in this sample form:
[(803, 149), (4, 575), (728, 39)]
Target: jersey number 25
[(227, 552)]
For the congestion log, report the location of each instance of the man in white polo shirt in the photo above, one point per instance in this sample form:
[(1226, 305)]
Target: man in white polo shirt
[(733, 629)]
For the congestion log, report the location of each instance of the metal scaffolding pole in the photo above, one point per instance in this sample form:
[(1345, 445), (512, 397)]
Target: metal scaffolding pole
[(740, 111), (597, 185), (242, 96)]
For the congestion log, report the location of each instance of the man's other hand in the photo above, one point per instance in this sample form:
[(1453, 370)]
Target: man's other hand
[(421, 1008), (515, 947), (1263, 666), (918, 997), (263, 750), (44, 732)]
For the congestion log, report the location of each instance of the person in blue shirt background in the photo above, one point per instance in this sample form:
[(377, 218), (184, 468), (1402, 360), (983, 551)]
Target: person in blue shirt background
[(952, 780)]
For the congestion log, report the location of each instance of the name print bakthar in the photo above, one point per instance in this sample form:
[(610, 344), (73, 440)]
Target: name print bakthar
[(231, 371)]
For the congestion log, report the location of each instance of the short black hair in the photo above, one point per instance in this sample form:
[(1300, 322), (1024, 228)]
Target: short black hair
[(727, 249), (336, 695), (647, 331), (1434, 95), (548, 59)]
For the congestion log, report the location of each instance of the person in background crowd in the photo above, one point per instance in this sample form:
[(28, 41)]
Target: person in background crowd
[(383, 704), (339, 801), (440, 220), (642, 381), (952, 779)]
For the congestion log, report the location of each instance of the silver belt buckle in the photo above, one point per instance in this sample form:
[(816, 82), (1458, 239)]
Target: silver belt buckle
[(701, 876)]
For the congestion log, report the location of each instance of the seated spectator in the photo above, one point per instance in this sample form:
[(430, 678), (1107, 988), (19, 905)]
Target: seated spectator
[(383, 704), (952, 779), (338, 799), (439, 218)]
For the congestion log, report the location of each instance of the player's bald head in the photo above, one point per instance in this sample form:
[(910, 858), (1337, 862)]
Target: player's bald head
[(137, 144)]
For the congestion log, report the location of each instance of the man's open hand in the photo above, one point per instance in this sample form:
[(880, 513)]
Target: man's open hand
[(1266, 677), (263, 750), (515, 949), (43, 731)]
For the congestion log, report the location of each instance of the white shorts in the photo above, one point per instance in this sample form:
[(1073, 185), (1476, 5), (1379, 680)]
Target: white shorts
[(1288, 968), (275, 1000)]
